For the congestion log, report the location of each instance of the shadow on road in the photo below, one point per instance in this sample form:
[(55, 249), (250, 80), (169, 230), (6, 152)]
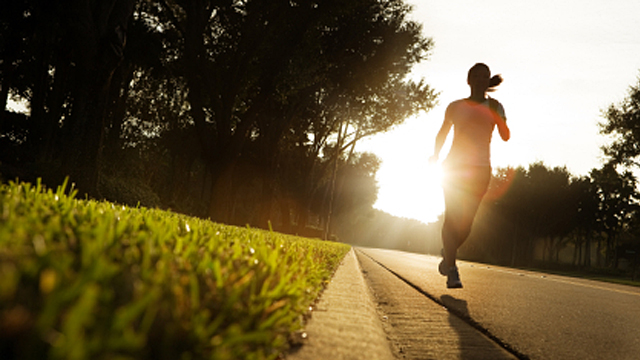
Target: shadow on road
[(459, 306), (472, 339), (471, 346), (457, 309)]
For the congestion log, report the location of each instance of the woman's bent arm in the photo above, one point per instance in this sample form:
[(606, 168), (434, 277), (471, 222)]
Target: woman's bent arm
[(503, 129)]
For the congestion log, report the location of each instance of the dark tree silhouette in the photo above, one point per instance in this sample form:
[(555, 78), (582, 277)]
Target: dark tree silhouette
[(622, 121), (228, 110), (585, 190), (617, 208), (61, 59), (259, 73)]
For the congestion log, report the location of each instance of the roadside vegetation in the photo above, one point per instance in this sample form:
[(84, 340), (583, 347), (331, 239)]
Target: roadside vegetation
[(245, 112), (83, 279)]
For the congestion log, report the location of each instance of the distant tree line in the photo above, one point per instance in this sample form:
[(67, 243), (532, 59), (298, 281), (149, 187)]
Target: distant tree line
[(545, 210), (246, 112), (537, 213)]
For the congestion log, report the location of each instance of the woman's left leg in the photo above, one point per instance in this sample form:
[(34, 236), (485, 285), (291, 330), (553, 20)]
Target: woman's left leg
[(469, 197), (470, 206)]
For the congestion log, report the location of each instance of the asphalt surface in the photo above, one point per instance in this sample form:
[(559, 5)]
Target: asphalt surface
[(531, 314), (366, 312), (418, 327), (384, 304)]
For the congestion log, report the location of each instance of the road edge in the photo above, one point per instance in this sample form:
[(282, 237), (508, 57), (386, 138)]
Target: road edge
[(344, 323)]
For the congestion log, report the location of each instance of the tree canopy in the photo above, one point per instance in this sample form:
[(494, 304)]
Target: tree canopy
[(622, 122), (241, 111)]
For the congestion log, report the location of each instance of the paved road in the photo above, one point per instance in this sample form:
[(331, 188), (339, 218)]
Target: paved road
[(536, 315)]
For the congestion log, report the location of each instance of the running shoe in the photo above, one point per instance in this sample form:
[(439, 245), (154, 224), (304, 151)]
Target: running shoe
[(453, 278)]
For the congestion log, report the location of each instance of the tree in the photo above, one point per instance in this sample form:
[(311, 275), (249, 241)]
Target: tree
[(226, 95), (622, 121), (522, 208), (586, 192), (356, 190), (257, 69), (29, 52), (554, 209), (617, 208), (61, 59), (617, 190)]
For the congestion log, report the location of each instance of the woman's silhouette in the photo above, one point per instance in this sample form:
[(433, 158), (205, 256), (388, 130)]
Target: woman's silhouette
[(467, 167)]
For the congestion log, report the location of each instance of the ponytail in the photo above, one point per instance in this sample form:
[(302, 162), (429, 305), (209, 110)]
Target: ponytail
[(495, 81)]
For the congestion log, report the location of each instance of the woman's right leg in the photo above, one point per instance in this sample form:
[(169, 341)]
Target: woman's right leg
[(455, 229), (462, 200), (460, 210), (451, 228)]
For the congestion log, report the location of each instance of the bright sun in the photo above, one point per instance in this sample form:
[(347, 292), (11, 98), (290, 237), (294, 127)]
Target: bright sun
[(409, 186), (411, 191)]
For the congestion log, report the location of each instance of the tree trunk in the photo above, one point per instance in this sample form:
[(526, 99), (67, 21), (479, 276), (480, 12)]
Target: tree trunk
[(334, 174), (222, 192), (49, 150), (118, 107), (98, 31), (514, 249), (286, 209), (599, 253), (4, 94)]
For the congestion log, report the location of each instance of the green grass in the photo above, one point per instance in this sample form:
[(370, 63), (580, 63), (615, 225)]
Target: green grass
[(83, 279)]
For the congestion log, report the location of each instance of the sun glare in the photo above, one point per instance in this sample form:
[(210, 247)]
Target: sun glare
[(409, 186), (411, 191)]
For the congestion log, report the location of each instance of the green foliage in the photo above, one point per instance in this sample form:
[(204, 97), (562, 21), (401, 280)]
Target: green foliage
[(209, 94), (525, 208), (622, 123), (522, 207), (85, 279)]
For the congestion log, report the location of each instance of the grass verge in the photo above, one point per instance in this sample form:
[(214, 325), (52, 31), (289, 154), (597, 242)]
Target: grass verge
[(83, 279)]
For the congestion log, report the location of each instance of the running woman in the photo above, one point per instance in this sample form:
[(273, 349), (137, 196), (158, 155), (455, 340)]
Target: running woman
[(467, 167)]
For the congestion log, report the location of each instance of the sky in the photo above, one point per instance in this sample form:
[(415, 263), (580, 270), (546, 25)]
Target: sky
[(563, 63)]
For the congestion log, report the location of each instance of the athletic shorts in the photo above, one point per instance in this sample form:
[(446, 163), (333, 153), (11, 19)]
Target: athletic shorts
[(466, 180)]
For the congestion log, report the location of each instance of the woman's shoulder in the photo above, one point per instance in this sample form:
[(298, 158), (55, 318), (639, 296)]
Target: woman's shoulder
[(496, 106), (494, 102), (457, 103)]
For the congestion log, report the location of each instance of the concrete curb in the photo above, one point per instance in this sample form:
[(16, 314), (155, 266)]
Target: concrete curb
[(344, 323)]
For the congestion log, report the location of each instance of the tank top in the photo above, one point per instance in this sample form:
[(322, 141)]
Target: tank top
[(473, 125)]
